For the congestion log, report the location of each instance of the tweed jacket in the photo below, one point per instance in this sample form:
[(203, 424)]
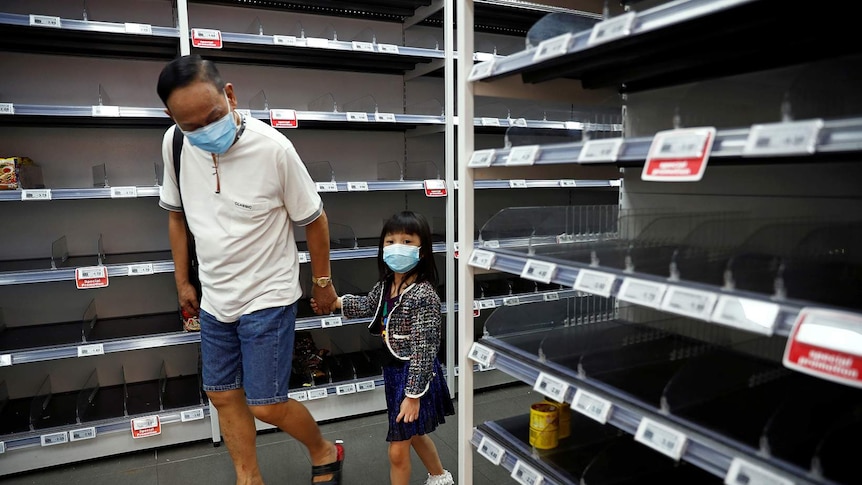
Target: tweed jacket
[(412, 328)]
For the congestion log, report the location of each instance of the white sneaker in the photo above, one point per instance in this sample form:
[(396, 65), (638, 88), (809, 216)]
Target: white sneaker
[(444, 479)]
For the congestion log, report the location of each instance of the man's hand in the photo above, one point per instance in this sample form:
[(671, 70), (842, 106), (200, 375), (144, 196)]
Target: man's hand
[(324, 299), (409, 410), (188, 298)]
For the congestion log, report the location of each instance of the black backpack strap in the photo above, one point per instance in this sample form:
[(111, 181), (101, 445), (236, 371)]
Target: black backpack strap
[(179, 138), (178, 150)]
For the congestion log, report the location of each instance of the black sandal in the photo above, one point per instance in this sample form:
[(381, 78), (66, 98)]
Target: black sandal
[(333, 468)]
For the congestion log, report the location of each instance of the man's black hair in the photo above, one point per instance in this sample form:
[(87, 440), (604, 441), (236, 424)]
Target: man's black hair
[(185, 70)]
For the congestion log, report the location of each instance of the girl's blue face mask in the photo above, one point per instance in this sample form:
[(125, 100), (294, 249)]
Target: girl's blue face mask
[(401, 258), (216, 137)]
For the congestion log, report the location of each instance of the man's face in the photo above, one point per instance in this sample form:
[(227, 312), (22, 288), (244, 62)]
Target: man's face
[(199, 104)]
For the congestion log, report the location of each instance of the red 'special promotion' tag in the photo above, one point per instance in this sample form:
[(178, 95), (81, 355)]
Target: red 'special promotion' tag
[(435, 188), (826, 344), (91, 277), (206, 38), (679, 155), (283, 118)]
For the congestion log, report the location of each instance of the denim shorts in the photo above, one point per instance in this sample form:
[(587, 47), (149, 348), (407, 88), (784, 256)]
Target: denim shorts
[(254, 353)]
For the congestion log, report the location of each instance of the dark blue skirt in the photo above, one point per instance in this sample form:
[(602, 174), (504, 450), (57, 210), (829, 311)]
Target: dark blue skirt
[(434, 405)]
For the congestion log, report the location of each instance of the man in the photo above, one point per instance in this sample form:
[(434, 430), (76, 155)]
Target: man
[(241, 188)]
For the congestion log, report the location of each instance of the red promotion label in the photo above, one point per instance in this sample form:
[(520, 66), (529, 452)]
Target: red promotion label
[(435, 188), (146, 427), (827, 344), (678, 155), (283, 118), (91, 277), (206, 38)]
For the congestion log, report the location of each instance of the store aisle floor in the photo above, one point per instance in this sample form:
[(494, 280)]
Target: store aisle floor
[(283, 460)]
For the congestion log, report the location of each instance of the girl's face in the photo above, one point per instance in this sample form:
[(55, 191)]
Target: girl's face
[(402, 238)]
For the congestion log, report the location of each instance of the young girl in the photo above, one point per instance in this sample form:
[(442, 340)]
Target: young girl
[(406, 311)]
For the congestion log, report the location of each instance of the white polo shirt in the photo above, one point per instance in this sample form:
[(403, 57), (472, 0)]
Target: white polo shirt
[(244, 236)]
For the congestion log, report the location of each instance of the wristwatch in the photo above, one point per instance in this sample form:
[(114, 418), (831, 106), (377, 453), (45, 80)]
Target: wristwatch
[(322, 281)]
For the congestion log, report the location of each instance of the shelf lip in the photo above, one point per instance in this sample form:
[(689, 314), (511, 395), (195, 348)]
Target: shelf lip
[(513, 455), (520, 5), (89, 26), (711, 454), (48, 275), (405, 52), (83, 193)]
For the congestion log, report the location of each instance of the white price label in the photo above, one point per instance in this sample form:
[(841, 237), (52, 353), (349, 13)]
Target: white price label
[(345, 389), (387, 48), (490, 450), (54, 438), (642, 292), (330, 322), (568, 183), (520, 122), (526, 475), (105, 111), (298, 396), (612, 29), (357, 186), (482, 56), (600, 151), (487, 304), (2, 447), (124, 192), (742, 472), (489, 121), (317, 394), (82, 434), (288, 40), (192, 415), (357, 116), (482, 158), (36, 194), (793, 138), (316, 42), (539, 271), (525, 155), (327, 187), (45, 21), (481, 70), (365, 386), (143, 29), (362, 46), (482, 259), (511, 301), (551, 296), (518, 184), (92, 272), (304, 257), (481, 354), (592, 406), (5, 360), (661, 438), (551, 386), (594, 282), (91, 350), (385, 117), (7, 109), (553, 47), (140, 269), (691, 303), (747, 314)]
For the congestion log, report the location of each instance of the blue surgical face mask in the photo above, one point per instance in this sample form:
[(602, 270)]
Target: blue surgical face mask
[(401, 258), (216, 137)]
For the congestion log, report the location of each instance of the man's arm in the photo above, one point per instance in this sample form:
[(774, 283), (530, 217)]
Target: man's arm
[(186, 293), (317, 235)]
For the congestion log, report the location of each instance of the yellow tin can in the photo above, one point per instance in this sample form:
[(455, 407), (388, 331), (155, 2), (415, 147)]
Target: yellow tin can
[(565, 413), (544, 425)]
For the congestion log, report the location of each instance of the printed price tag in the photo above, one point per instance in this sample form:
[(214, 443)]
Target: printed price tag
[(82, 434), (146, 427), (482, 56), (492, 244), (525, 155), (7, 109), (511, 301), (206, 38), (482, 259), (140, 269), (678, 155), (304, 257), (330, 322), (592, 406), (385, 117), (661, 438), (362, 46), (387, 48), (742, 472), (124, 192), (298, 396), (490, 450), (481, 70), (553, 47), (755, 316), (345, 389), (551, 386), (568, 183), (35, 194), (2, 447), (357, 186), (489, 121), (317, 42), (54, 438), (106, 111), (91, 350), (691, 303), (91, 277), (594, 282), (539, 271), (526, 475), (356, 116), (642, 292), (192, 415), (482, 158), (600, 151), (5, 360), (365, 386), (518, 184), (826, 344), (143, 29), (791, 138), (612, 29), (487, 304), (283, 118), (286, 40), (551, 296), (520, 122), (435, 188), (45, 21), (481, 354), (327, 187), (314, 394)]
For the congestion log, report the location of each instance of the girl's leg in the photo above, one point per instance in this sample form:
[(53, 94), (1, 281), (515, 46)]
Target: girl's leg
[(399, 462), (427, 452)]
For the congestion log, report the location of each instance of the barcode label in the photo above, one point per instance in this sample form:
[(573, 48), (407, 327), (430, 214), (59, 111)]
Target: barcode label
[(487, 304), (357, 186), (5, 360), (327, 187), (592, 406), (105, 111), (345, 389), (642, 292), (520, 122), (489, 121), (481, 70), (357, 116), (298, 396), (82, 434), (490, 450), (691, 303), (481, 354), (143, 29), (526, 475), (594, 282), (45, 21), (747, 314), (553, 47), (511, 301), (551, 386), (330, 322), (141, 269), (54, 438), (316, 42), (661, 438), (387, 48), (524, 155), (385, 117), (91, 350), (539, 271), (362, 46), (551, 296), (792, 138), (192, 415), (35, 194), (7, 109), (124, 192), (365, 386), (600, 151), (482, 158), (317, 394), (288, 40), (568, 183), (480, 258), (742, 472), (611, 29), (304, 257), (518, 184)]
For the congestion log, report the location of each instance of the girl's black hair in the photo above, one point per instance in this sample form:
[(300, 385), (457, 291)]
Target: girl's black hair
[(408, 222)]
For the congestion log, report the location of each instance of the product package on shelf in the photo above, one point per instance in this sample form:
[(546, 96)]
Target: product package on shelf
[(20, 173)]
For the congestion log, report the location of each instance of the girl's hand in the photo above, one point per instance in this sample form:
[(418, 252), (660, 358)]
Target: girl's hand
[(409, 410), (336, 305)]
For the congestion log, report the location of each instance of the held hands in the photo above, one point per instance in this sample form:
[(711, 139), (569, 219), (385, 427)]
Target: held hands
[(188, 298), (409, 410), (324, 300)]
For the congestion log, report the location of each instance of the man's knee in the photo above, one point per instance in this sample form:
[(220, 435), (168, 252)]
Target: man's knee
[(222, 399), (270, 413)]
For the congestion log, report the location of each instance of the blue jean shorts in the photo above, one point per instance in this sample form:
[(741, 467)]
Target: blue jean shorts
[(254, 353)]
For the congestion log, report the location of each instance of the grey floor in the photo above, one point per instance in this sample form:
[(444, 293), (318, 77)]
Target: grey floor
[(284, 461)]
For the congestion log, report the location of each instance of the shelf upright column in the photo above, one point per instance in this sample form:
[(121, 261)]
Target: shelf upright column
[(449, 81), (183, 26)]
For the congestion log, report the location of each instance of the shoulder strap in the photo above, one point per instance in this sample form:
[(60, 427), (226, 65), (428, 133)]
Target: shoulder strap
[(179, 138), (178, 151)]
